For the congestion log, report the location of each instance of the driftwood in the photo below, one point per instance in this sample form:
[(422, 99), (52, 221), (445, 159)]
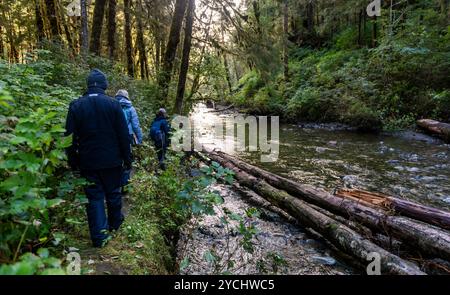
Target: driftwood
[(337, 233), (404, 207), (428, 239), (435, 127)]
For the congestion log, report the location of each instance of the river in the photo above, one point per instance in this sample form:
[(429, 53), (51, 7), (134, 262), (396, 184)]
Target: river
[(404, 164)]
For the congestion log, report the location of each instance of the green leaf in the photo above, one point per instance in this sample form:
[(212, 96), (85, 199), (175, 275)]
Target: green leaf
[(43, 253), (184, 263), (209, 257)]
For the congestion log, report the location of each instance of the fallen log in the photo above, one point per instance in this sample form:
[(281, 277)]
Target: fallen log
[(337, 233), (428, 239), (256, 200), (435, 127), (407, 208)]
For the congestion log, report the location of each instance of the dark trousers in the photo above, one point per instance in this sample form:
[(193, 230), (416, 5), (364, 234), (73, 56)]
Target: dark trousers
[(161, 149), (105, 186)]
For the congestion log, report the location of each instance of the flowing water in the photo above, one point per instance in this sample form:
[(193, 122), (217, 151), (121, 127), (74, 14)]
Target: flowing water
[(407, 165)]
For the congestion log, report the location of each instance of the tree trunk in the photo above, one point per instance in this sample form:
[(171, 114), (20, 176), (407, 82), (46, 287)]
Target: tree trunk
[(437, 128), (286, 39), (426, 238), (374, 32), (128, 38), (97, 26), (171, 48), (65, 26), (141, 44), (112, 28), (2, 50), (158, 42), (310, 17), (227, 72), (360, 20), (84, 32), (186, 55), (40, 33), (53, 19), (338, 234)]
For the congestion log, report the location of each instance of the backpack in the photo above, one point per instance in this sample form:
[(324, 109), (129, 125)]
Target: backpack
[(127, 114), (156, 134)]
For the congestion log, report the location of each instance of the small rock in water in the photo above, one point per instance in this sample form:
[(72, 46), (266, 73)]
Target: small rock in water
[(447, 200), (332, 143), (324, 260)]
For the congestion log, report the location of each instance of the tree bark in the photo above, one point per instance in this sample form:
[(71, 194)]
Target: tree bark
[(310, 17), (53, 19), (97, 26), (141, 44), (84, 32), (227, 71), (112, 28), (40, 33), (428, 239), (374, 32), (128, 38), (437, 128), (65, 26), (2, 50), (286, 39), (360, 20), (186, 55), (338, 234), (171, 48)]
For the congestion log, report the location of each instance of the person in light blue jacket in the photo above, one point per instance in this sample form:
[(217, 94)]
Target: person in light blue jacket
[(134, 128), (131, 117)]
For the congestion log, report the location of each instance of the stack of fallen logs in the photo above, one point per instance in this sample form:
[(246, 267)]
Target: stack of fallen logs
[(358, 223)]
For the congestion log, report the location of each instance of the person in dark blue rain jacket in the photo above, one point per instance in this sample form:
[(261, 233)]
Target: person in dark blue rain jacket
[(100, 150), (159, 133)]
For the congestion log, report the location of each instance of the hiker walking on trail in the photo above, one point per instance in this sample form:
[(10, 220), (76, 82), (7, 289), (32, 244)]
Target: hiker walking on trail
[(159, 133), (131, 116), (133, 126), (100, 151)]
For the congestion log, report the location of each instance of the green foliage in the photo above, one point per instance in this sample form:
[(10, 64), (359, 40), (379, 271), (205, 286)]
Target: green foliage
[(336, 77), (34, 181), (30, 264)]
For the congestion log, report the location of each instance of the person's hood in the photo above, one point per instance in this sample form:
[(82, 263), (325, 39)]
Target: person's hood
[(97, 79), (124, 102)]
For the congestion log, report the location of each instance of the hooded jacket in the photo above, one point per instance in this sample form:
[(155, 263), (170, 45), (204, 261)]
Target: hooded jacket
[(133, 119), (98, 128)]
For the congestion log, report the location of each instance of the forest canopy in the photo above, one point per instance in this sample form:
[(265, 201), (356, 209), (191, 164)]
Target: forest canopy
[(307, 60)]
